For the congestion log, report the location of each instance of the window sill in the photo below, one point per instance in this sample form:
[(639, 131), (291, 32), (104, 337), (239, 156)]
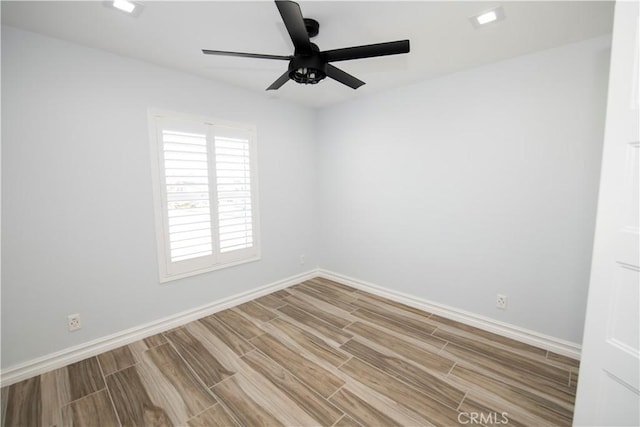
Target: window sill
[(175, 277)]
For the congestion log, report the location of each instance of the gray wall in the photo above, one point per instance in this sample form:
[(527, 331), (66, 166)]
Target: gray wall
[(77, 210), (474, 184), (452, 190)]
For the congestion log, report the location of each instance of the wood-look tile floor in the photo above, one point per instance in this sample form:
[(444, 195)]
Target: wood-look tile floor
[(318, 353)]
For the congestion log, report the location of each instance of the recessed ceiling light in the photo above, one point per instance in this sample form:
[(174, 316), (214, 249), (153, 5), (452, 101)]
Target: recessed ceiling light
[(129, 7), (487, 17), (124, 5)]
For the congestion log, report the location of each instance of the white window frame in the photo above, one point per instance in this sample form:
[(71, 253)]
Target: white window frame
[(172, 270)]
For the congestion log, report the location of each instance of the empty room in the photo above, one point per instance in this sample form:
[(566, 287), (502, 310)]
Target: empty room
[(319, 213)]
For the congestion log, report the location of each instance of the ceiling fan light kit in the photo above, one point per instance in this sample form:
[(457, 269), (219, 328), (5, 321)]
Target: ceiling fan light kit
[(309, 65), (307, 69)]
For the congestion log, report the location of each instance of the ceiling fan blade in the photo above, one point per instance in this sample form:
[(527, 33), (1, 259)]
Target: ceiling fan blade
[(245, 55), (293, 20), (344, 78), (281, 80), (366, 51)]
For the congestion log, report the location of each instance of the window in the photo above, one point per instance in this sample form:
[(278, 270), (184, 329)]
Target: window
[(205, 193)]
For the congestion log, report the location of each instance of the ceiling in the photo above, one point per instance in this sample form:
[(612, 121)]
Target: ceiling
[(443, 41)]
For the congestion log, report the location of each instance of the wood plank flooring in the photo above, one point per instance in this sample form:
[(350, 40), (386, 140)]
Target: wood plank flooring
[(315, 354)]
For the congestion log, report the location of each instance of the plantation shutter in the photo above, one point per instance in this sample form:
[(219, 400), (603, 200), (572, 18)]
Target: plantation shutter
[(233, 175), (186, 169), (206, 186)]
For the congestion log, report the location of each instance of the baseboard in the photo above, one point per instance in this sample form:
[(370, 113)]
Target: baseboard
[(74, 354), (557, 345)]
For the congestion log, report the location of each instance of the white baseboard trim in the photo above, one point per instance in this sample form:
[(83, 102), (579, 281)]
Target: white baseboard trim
[(74, 354), (557, 345)]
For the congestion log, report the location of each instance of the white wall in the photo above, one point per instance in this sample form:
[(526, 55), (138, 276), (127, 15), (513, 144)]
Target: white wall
[(77, 209), (477, 183)]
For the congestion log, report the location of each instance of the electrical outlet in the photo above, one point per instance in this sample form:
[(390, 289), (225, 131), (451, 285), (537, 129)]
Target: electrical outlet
[(501, 302), (301, 259), (73, 322)]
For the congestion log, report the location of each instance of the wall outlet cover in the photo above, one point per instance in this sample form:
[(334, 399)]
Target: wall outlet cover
[(501, 302), (73, 322)]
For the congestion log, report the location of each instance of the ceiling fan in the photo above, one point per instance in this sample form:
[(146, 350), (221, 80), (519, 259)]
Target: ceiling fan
[(308, 64)]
